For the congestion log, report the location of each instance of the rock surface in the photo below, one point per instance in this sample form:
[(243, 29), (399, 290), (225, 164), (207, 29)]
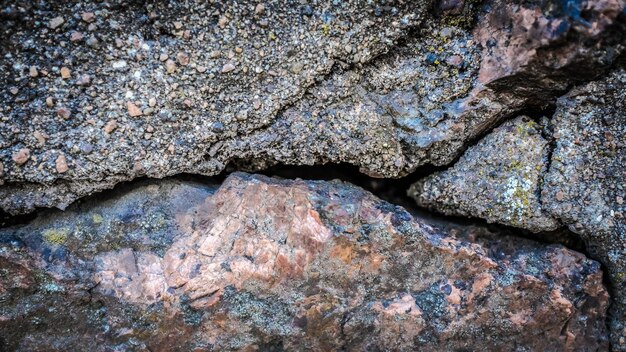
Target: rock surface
[(499, 179), (515, 178), (262, 263), (585, 186), (125, 89)]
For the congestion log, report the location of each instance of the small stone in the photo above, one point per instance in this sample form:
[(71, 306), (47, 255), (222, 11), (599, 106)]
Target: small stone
[(228, 68), (14, 90), (455, 60), (296, 67), (33, 72), (170, 66), (83, 80), (183, 59), (348, 49), (619, 200), (61, 164), (214, 54), (201, 69), (223, 21), (163, 57), (110, 126), (238, 50), (64, 113), (49, 102), (92, 41), (120, 65), (76, 36), (88, 17), (21, 156), (259, 9), (256, 104), (559, 196), (66, 73), (1, 169), (41, 139), (152, 102), (133, 110), (56, 22), (178, 25)]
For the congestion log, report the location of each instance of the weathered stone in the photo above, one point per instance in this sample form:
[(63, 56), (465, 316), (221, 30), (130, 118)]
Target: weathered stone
[(263, 263), (585, 185), (499, 179), (388, 114)]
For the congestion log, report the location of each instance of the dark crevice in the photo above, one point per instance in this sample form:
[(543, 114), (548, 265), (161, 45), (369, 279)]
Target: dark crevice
[(390, 190)]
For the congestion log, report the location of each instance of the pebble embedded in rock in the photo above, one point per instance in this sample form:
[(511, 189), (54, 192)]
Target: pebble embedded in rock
[(223, 21), (182, 59), (228, 68), (64, 113), (33, 72), (88, 17), (84, 80), (76, 36), (61, 164), (133, 110), (21, 156), (259, 9), (66, 73), (56, 22), (110, 126), (40, 137), (170, 66)]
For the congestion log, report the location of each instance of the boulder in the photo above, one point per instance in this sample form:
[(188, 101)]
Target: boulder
[(273, 264), (585, 185)]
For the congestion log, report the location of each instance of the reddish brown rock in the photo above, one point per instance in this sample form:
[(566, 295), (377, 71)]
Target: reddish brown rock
[(264, 264), (21, 156)]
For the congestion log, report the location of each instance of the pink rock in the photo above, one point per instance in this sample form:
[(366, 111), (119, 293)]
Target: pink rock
[(265, 263)]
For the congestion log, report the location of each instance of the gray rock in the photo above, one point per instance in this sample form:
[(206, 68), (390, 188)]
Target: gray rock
[(585, 185), (499, 179), (296, 95)]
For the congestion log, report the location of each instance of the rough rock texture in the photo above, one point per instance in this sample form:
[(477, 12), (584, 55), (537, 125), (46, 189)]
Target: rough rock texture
[(499, 179), (585, 186), (515, 178), (271, 264), (95, 93)]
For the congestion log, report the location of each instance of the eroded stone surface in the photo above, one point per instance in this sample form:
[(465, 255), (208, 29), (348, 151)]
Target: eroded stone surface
[(263, 263), (162, 89), (585, 186), (499, 179)]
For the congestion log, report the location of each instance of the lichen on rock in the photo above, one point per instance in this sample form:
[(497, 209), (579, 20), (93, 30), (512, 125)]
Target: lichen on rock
[(499, 179)]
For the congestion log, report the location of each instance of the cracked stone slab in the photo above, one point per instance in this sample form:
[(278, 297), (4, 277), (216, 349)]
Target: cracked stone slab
[(585, 185), (262, 263), (499, 179), (97, 93)]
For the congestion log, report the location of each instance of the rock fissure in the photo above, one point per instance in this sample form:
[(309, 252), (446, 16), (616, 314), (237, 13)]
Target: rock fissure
[(503, 120)]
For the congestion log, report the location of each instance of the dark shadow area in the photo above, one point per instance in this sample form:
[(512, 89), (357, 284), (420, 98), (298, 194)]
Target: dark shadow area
[(390, 190)]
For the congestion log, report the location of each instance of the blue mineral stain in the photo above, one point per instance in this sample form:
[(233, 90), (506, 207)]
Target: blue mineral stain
[(572, 9)]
